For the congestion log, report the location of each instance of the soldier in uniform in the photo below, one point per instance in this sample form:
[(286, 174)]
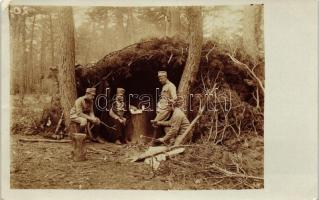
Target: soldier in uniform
[(163, 110), (82, 111), (176, 125), (116, 113), (168, 93)]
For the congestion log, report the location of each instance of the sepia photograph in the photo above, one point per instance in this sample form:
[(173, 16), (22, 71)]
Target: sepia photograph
[(135, 99), (145, 98)]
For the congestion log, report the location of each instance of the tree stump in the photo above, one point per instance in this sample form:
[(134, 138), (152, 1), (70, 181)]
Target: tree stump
[(79, 149), (139, 129), (73, 128)]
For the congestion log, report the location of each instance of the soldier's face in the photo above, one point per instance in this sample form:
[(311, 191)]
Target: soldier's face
[(162, 79), (90, 96), (120, 98)]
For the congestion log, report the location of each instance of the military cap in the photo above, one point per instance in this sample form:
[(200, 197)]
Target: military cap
[(91, 90), (120, 91), (176, 102), (162, 73)]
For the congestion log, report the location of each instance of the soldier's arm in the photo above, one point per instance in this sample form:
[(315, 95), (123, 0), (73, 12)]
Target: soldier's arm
[(175, 125), (92, 112), (79, 110), (113, 115), (172, 90), (164, 123)]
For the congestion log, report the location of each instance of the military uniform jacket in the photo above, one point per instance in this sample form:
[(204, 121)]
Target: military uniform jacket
[(177, 124), (81, 106), (168, 93)]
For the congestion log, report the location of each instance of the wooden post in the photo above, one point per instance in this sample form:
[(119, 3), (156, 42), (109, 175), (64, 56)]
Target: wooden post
[(79, 149)]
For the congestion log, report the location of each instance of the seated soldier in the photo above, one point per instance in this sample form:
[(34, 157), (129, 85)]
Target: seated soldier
[(82, 111), (117, 117), (176, 125)]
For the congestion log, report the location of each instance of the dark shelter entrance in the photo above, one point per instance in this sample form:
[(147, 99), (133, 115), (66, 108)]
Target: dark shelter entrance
[(142, 90)]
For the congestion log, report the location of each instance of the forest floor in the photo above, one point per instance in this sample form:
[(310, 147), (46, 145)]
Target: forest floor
[(41, 165)]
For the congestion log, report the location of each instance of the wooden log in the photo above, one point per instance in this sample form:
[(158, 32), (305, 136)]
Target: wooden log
[(43, 140), (73, 128), (79, 149)]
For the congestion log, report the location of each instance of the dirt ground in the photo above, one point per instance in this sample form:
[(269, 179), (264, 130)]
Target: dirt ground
[(43, 165), (49, 165)]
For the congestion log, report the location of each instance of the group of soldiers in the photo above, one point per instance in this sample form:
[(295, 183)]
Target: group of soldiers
[(169, 115)]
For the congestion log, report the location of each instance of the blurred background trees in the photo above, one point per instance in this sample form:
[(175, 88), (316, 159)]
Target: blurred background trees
[(101, 30)]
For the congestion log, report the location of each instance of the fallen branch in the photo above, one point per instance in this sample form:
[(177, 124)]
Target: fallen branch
[(43, 140), (249, 70), (232, 174), (161, 150)]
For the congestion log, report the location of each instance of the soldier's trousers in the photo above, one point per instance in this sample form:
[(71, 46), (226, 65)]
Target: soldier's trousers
[(79, 120), (116, 131)]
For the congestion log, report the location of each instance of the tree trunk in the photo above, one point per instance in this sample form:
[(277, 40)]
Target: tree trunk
[(52, 41), (31, 74), (87, 58), (260, 30), (249, 32), (174, 21), (79, 149), (66, 61), (42, 57), (23, 60), (194, 53), (130, 29), (121, 40), (15, 56), (106, 37)]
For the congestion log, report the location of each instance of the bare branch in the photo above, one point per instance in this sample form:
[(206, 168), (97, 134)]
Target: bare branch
[(249, 70)]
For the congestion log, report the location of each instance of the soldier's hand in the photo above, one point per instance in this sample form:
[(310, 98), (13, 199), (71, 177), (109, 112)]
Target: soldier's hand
[(154, 123), (161, 140), (96, 120), (121, 120), (124, 120)]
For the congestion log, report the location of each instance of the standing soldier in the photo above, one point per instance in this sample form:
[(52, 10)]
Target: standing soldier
[(82, 111), (168, 94), (117, 116)]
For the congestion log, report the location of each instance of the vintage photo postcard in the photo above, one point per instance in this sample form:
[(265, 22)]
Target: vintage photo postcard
[(138, 97)]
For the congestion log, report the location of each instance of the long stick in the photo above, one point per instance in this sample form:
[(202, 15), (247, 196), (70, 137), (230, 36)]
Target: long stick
[(43, 140), (59, 124), (108, 126)]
